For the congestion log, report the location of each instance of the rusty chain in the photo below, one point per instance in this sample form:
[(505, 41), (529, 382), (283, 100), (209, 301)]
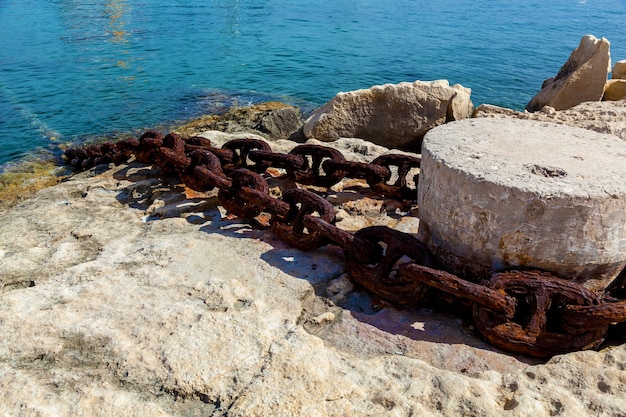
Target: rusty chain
[(528, 312)]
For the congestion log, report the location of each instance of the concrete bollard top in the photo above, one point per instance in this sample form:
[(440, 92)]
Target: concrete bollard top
[(501, 193)]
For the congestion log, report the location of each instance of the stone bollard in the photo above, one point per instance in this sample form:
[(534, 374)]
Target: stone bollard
[(496, 194)]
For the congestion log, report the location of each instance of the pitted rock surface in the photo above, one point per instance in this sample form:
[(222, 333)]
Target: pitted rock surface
[(126, 295)]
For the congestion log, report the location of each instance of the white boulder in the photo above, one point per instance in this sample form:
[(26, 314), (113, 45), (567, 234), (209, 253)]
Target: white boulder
[(619, 70), (391, 115)]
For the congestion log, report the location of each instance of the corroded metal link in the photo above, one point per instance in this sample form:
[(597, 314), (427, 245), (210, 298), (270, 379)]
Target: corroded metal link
[(291, 228), (278, 160), (270, 204), (148, 142), (197, 143), (240, 149), (343, 238), (537, 328), (310, 174), (76, 156), (171, 156), (108, 151), (225, 156), (594, 316), (378, 275), (617, 288), (124, 150), (87, 157), (199, 180), (494, 300), (127, 144), (169, 161), (231, 198), (97, 155), (399, 189), (360, 170), (209, 180)]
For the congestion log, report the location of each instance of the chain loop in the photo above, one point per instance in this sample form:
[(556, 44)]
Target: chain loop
[(148, 142), (310, 174), (291, 228), (171, 156), (195, 175), (342, 238), (277, 160), (231, 198), (123, 151), (537, 328), (240, 149), (461, 290), (357, 169), (399, 189), (197, 143), (594, 316), (270, 204)]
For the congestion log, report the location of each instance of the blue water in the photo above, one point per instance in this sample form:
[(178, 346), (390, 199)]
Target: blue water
[(74, 68)]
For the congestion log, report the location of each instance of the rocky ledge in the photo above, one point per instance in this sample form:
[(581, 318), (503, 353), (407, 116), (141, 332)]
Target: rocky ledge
[(127, 294)]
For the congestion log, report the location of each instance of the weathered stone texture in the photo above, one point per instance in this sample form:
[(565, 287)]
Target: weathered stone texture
[(391, 115), (619, 70), (614, 90), (272, 120), (601, 116), (580, 79), (497, 194)]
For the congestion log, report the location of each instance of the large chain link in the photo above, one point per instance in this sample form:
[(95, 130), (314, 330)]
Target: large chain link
[(528, 312)]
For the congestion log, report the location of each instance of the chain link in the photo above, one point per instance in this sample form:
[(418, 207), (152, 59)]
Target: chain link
[(528, 312)]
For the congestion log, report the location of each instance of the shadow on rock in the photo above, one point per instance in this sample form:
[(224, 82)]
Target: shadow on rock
[(338, 311)]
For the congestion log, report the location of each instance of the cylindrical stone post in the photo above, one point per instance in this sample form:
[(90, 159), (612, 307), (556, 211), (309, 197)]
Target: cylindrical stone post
[(496, 194)]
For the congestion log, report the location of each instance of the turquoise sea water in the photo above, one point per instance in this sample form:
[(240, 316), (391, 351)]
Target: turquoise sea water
[(74, 68)]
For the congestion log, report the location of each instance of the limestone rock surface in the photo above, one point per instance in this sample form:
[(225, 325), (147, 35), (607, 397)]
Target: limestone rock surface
[(615, 90), (124, 294), (580, 79), (602, 116), (619, 70), (391, 115)]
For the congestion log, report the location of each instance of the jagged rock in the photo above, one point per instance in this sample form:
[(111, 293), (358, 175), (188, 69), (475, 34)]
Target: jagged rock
[(391, 115), (615, 90), (580, 79), (272, 120), (140, 298), (619, 70), (601, 116)]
